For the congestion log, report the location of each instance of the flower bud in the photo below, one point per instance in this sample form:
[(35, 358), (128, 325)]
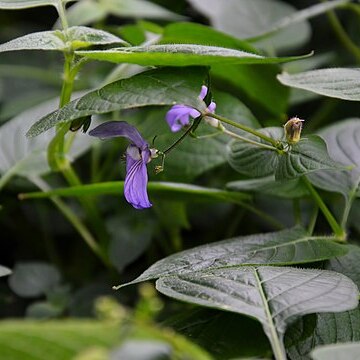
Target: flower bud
[(293, 130)]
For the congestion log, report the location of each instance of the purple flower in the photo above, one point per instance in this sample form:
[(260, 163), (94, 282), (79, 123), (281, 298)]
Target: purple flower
[(138, 154), (179, 115)]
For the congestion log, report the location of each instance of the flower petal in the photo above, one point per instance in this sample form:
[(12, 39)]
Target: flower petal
[(178, 116), (211, 108), (136, 179), (203, 92), (119, 128)]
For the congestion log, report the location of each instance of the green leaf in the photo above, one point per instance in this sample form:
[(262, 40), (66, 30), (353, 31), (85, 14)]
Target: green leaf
[(253, 160), (192, 33), (70, 39), (343, 143), (35, 340), (339, 83), (43, 310), (289, 189), (292, 246), (258, 84), (90, 11), (4, 271), (272, 295), (33, 279), (182, 55), (168, 190), (308, 155), (337, 352), (223, 334), (240, 18), (328, 328), (140, 9), (25, 4), (154, 87), (27, 157)]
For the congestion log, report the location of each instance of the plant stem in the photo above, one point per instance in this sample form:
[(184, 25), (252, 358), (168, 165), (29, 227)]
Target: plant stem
[(73, 219), (336, 228), (62, 16), (313, 219), (243, 138), (245, 128), (342, 35), (348, 204)]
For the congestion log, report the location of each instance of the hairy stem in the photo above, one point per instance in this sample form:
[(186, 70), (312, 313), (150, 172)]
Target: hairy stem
[(262, 136)]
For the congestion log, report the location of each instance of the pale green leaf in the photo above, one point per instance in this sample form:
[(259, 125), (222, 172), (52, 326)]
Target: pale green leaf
[(275, 296), (349, 351), (27, 157), (139, 9), (32, 279), (339, 83), (73, 38), (25, 4), (154, 87), (343, 143), (248, 19), (4, 271), (292, 246), (182, 55)]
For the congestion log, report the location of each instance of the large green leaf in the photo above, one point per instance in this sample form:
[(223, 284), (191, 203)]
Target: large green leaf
[(25, 4), (253, 160), (90, 11), (328, 328), (154, 87), (241, 19), (182, 55), (73, 38), (339, 83), (343, 143), (275, 296), (27, 157), (308, 155), (337, 352), (285, 247)]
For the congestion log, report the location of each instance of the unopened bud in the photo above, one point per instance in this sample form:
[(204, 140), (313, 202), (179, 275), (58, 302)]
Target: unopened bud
[(293, 130)]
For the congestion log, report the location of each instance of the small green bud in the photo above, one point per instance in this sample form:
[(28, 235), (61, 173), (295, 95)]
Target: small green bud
[(293, 130)]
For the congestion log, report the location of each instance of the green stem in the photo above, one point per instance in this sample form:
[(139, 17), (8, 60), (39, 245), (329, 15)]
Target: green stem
[(313, 219), (336, 228), (62, 16), (242, 138), (342, 35), (348, 204), (244, 128), (74, 220)]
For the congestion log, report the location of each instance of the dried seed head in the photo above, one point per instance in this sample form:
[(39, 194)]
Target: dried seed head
[(293, 130)]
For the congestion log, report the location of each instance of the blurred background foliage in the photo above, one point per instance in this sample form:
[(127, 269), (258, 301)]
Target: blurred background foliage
[(55, 275)]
